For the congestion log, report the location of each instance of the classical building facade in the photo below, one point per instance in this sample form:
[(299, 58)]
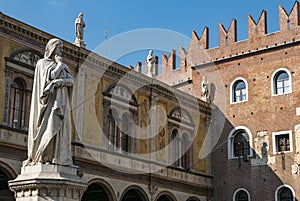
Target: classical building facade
[(134, 137), (254, 96)]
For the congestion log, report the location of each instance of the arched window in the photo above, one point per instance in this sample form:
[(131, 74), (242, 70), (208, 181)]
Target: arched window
[(17, 104), (281, 82), (186, 160), (175, 148), (238, 90), (239, 141), (125, 133), (112, 131), (241, 145), (284, 193), (241, 195)]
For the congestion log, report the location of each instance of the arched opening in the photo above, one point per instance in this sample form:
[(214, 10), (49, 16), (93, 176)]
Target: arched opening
[(95, 192), (241, 194), (164, 198), (5, 193), (239, 143), (134, 195), (285, 193)]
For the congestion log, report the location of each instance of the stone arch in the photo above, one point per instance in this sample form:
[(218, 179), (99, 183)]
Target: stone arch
[(285, 186), (105, 186), (6, 174), (181, 114), (26, 56), (8, 170), (136, 190), (121, 92), (165, 196), (193, 199)]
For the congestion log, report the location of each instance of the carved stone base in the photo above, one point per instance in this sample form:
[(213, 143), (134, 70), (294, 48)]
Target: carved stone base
[(47, 182), (79, 43)]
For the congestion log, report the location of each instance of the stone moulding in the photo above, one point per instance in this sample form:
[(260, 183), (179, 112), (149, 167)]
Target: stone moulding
[(48, 182)]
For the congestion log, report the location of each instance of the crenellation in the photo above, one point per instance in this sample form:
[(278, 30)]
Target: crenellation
[(172, 60), (258, 29), (164, 63), (204, 40), (259, 39), (289, 21), (227, 37), (195, 36), (183, 59), (155, 69), (138, 67)]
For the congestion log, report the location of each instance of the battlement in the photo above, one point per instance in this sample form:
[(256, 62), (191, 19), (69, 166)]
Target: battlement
[(258, 39)]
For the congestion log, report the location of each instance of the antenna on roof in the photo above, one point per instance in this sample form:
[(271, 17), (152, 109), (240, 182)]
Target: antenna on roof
[(105, 30)]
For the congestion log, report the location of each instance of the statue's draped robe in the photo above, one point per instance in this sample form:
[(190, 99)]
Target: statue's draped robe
[(49, 135), (79, 25)]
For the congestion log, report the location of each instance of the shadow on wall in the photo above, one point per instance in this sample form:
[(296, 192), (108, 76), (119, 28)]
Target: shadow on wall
[(242, 173)]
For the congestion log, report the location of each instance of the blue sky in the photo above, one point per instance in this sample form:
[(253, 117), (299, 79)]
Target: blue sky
[(57, 17)]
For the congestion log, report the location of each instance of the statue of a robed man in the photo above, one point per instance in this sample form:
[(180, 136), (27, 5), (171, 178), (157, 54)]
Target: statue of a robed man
[(49, 135)]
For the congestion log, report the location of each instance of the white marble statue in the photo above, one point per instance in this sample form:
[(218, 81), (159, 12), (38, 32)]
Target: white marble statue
[(150, 63), (205, 89), (79, 27), (49, 135)]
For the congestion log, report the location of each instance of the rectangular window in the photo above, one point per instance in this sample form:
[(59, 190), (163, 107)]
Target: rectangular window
[(282, 142)]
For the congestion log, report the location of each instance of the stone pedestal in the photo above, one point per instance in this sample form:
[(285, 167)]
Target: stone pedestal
[(79, 43), (47, 182)]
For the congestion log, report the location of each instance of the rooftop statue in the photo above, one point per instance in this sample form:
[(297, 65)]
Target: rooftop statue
[(79, 27), (150, 63), (49, 135), (79, 30)]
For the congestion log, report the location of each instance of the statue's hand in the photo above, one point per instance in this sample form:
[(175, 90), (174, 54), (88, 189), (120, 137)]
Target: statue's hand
[(58, 59), (58, 82)]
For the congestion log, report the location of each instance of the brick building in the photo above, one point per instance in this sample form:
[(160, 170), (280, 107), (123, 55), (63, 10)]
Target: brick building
[(255, 102)]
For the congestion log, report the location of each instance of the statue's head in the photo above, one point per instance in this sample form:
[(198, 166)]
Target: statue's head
[(51, 47)]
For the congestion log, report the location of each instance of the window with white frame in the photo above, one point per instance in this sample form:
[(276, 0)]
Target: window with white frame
[(284, 193), (238, 90), (241, 194), (239, 143), (281, 82), (282, 142)]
